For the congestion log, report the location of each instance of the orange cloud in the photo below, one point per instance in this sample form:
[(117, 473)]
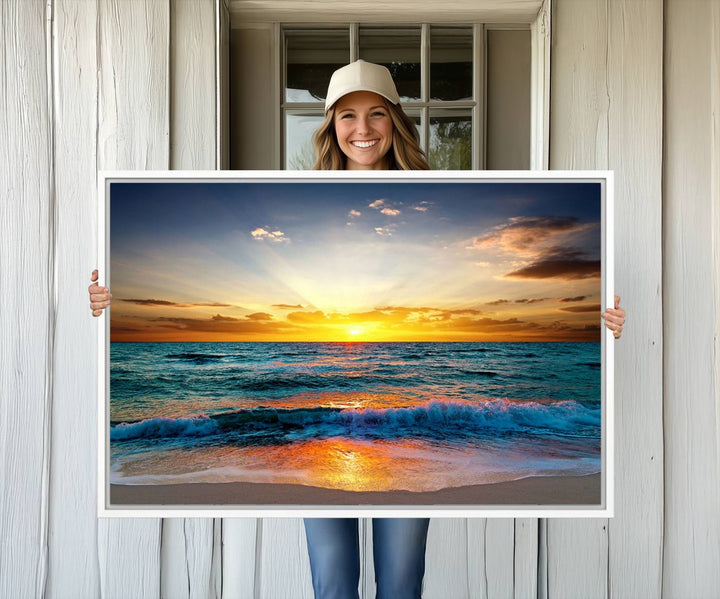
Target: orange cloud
[(586, 308), (525, 235)]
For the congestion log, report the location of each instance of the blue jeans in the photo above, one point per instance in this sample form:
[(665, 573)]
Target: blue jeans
[(398, 551)]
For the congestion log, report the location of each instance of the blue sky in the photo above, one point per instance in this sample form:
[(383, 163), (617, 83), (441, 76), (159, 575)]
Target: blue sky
[(234, 250)]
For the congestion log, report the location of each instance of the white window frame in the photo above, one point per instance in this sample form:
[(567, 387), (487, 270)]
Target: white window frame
[(539, 24), (476, 106)]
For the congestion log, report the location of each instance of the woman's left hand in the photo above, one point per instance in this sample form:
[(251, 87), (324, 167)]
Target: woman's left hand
[(615, 318)]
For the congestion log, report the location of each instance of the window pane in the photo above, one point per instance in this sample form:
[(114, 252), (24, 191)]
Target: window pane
[(299, 149), (508, 100), (451, 55), (398, 50), (450, 139), (311, 58), (414, 115)]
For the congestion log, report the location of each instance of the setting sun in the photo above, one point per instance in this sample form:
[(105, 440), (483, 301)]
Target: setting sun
[(355, 331)]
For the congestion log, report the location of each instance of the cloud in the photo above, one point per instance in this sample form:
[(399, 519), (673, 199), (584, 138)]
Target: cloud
[(307, 317), (224, 324), (579, 298), (390, 211), (261, 234), (166, 303), (288, 306), (497, 302), (259, 316), (528, 235), (533, 300), (586, 308), (414, 321), (385, 231), (566, 264), (377, 204), (422, 206), (354, 213)]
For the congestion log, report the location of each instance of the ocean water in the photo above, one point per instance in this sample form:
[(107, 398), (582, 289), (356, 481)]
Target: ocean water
[(355, 416)]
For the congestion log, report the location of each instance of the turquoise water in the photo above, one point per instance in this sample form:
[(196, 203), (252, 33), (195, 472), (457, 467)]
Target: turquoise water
[(420, 415)]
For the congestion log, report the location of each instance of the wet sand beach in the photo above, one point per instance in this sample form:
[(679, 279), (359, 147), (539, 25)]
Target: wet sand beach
[(527, 492)]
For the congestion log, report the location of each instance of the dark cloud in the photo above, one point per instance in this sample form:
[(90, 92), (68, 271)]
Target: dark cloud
[(220, 318), (559, 263), (558, 269), (259, 316), (223, 324), (579, 298), (533, 300), (288, 306), (165, 303), (497, 302)]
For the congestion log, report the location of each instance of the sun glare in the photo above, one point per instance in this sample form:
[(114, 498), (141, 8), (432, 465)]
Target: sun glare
[(355, 331)]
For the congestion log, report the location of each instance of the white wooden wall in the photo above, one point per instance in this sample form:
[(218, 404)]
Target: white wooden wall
[(133, 84)]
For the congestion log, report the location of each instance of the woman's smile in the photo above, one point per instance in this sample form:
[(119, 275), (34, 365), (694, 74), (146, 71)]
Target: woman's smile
[(364, 144)]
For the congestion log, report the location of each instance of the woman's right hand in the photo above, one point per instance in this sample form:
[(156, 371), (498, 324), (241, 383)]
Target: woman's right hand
[(99, 296)]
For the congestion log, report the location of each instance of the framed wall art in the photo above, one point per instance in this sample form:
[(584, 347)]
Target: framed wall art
[(365, 344)]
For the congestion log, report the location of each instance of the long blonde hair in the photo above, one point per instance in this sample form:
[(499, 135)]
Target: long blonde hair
[(405, 154)]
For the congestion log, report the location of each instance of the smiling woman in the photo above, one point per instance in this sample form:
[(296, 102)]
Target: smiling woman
[(365, 127)]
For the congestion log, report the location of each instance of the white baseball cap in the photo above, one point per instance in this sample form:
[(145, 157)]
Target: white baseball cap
[(361, 76)]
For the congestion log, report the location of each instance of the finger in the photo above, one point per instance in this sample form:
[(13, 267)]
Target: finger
[(97, 312), (99, 297), (617, 334), (613, 327), (94, 275), (614, 319), (617, 302), (97, 289), (99, 305)]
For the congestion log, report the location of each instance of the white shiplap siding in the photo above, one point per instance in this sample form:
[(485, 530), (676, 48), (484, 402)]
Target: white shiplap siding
[(118, 84)]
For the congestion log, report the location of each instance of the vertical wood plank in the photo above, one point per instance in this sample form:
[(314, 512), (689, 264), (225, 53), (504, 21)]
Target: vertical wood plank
[(525, 580), (73, 564), (690, 285), (635, 89), (192, 85), (188, 560), (448, 557), (577, 558), (239, 557), (283, 567), (577, 550), (133, 125), (26, 304)]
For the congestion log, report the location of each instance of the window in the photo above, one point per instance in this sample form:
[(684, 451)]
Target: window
[(468, 88), (434, 67)]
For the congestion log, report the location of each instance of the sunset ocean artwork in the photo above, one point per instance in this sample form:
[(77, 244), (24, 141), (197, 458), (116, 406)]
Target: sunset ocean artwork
[(375, 342)]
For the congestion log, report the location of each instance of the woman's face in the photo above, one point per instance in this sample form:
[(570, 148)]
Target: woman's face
[(364, 130)]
